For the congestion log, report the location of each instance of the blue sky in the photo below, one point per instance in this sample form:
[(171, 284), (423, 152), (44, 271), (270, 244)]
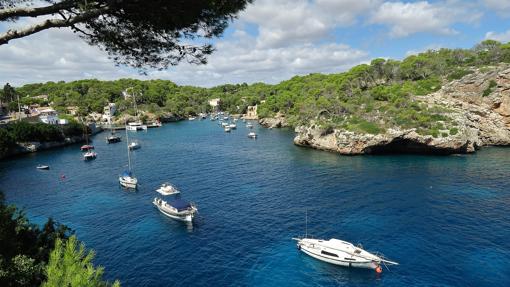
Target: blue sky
[(273, 40)]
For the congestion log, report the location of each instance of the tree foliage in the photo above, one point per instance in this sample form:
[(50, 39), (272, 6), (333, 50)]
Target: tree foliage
[(71, 265), (24, 247), (149, 33)]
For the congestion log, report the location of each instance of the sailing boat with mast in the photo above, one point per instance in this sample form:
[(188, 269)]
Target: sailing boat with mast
[(88, 149), (341, 253), (137, 125), (126, 179)]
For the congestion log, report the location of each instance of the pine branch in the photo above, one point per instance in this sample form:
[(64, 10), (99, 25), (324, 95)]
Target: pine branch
[(36, 11), (51, 23)]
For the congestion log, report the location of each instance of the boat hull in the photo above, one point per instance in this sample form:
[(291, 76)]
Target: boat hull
[(365, 265), (186, 216), (128, 183)]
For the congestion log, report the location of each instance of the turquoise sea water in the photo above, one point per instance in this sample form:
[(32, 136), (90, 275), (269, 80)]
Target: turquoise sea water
[(445, 219)]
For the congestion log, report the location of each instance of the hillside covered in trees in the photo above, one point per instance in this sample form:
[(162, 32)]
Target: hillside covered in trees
[(369, 98)]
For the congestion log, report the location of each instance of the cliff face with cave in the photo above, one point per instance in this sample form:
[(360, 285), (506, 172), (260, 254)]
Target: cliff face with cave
[(478, 103)]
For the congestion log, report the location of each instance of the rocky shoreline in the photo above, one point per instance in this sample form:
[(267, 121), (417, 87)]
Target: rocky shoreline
[(481, 114)]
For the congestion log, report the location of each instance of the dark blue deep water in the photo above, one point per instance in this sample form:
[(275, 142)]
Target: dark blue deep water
[(445, 219)]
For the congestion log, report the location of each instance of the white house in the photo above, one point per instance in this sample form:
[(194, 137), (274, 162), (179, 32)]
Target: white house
[(109, 111), (48, 116), (214, 102)]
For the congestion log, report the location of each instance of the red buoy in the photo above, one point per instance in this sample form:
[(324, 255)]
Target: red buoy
[(378, 269)]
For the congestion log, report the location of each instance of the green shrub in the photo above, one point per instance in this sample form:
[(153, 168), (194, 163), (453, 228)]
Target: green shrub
[(454, 131), (458, 74), (488, 90)]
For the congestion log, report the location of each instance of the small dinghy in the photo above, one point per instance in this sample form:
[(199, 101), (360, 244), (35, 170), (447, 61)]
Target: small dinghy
[(167, 189), (342, 253), (176, 209), (42, 166), (134, 145)]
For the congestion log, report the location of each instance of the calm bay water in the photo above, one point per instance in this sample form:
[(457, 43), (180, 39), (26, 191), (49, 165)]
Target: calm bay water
[(445, 219)]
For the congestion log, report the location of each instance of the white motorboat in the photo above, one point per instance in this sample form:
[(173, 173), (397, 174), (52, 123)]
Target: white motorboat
[(232, 126), (342, 253), (42, 166), (225, 118), (134, 145), (252, 135), (227, 129), (136, 126), (191, 118), (128, 180), (167, 189), (224, 124), (248, 125), (89, 155), (176, 209)]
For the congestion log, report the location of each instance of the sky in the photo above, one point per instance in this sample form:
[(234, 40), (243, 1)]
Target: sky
[(274, 40)]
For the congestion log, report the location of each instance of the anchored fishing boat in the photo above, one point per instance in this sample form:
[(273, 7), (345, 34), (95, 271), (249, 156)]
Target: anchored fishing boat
[(177, 209)]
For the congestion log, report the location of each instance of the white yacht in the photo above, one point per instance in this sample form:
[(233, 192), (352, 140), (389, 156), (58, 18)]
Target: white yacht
[(176, 209), (167, 189), (126, 179), (227, 129), (342, 253), (136, 126), (232, 126), (252, 135)]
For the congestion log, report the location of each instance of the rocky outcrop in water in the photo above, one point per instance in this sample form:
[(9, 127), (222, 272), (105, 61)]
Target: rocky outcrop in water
[(478, 103)]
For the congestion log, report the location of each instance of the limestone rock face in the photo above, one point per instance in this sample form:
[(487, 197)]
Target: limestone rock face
[(279, 121), (480, 120)]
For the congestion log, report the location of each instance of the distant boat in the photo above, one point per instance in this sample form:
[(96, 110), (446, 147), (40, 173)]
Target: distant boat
[(89, 155), (227, 129), (342, 253), (134, 145), (86, 147), (252, 135), (191, 118), (248, 125), (224, 124), (167, 189), (232, 126), (177, 209), (136, 126), (126, 179), (225, 118), (112, 138), (42, 166)]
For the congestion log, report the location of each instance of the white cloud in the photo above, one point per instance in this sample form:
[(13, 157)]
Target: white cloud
[(501, 37), (502, 7), (409, 18)]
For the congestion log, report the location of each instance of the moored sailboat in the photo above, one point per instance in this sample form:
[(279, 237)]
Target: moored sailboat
[(126, 179)]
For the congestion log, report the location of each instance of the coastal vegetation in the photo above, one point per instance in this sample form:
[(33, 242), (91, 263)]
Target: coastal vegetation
[(51, 255), (22, 131), (369, 98)]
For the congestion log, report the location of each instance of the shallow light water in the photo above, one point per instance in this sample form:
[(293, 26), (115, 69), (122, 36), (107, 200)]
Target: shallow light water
[(446, 219)]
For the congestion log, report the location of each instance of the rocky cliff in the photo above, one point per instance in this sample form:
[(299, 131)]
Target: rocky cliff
[(478, 103)]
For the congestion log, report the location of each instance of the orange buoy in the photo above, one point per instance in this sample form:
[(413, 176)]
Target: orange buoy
[(378, 269)]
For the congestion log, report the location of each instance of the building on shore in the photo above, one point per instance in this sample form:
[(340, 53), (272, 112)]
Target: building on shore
[(215, 103), (48, 116), (251, 113), (108, 112)]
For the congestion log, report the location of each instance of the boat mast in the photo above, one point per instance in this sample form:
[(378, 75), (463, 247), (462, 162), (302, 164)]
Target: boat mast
[(306, 224), (127, 145)]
